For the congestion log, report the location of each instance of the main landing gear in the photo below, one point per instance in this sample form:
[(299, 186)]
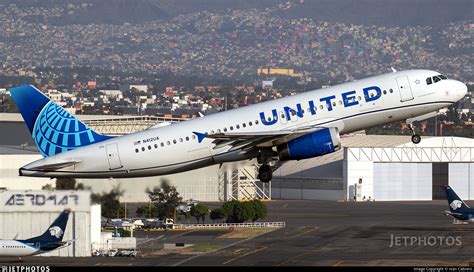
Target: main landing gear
[(265, 173), (415, 138)]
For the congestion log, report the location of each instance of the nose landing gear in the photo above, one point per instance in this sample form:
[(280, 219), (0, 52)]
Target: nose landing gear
[(415, 138)]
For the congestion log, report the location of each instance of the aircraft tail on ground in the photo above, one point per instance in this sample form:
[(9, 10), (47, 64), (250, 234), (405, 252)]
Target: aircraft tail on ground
[(55, 232), (53, 129), (456, 204)]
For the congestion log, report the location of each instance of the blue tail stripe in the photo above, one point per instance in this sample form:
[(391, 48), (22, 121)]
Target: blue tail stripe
[(91, 138), (78, 139), (60, 125), (64, 143), (55, 137), (48, 132), (53, 129)]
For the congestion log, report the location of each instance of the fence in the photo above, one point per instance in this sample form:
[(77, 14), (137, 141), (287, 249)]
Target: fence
[(231, 225)]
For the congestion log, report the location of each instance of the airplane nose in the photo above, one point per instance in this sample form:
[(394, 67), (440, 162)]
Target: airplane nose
[(460, 89), (463, 89)]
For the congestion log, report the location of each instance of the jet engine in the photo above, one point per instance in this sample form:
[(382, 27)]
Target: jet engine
[(311, 145)]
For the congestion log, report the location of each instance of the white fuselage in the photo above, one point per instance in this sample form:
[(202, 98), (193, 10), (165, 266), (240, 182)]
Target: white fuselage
[(175, 148), (14, 248)]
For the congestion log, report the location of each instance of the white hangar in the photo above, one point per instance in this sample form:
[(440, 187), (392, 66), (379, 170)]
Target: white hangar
[(381, 168)]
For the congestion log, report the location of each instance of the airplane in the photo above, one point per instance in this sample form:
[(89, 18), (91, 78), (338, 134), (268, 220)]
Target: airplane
[(296, 127), (457, 208), (51, 239)]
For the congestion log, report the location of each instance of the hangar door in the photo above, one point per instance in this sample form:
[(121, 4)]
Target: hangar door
[(461, 178), (402, 181)]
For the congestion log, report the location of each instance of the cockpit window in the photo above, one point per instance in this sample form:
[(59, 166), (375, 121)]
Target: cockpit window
[(436, 79), (442, 77), (428, 81)]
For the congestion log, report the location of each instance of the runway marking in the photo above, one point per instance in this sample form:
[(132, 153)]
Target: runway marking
[(177, 235), (222, 248), (243, 255), (293, 258), (299, 234), (286, 205)]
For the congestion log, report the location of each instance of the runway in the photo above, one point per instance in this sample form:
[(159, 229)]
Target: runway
[(319, 233)]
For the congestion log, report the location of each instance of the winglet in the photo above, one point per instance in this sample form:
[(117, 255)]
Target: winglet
[(200, 136)]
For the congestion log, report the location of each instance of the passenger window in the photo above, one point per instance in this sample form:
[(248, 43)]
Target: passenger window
[(149, 147), (187, 138), (156, 145), (168, 143), (136, 150), (180, 140), (391, 91), (143, 148), (225, 129), (237, 126), (162, 144), (250, 123), (436, 79), (244, 125), (256, 122), (194, 136), (231, 128)]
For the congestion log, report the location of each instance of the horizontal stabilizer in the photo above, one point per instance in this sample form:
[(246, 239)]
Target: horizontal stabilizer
[(55, 166)]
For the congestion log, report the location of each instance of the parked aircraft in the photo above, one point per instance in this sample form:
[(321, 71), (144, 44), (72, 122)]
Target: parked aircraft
[(50, 240), (457, 208)]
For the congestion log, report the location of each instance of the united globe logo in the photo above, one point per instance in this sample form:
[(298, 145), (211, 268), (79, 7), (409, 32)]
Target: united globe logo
[(57, 131)]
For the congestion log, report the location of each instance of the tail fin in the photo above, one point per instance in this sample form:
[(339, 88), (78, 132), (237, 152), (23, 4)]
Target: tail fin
[(53, 129), (55, 232), (456, 205)]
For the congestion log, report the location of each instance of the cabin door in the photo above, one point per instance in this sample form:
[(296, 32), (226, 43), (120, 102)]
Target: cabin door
[(113, 156), (404, 88)]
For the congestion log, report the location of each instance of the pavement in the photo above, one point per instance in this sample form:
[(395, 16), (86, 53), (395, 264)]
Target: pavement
[(317, 233)]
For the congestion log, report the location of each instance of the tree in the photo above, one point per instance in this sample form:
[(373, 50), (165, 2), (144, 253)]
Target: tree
[(165, 198), (69, 184), (146, 211), (199, 211), (260, 210), (65, 184), (110, 203), (217, 214), (238, 212), (47, 187)]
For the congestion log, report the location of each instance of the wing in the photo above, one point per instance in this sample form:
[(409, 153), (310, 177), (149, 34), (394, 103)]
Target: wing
[(248, 141)]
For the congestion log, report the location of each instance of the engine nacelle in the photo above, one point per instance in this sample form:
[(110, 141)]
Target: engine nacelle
[(311, 145)]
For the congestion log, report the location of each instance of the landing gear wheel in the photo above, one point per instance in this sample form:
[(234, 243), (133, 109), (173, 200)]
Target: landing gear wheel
[(265, 173), (416, 139)]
